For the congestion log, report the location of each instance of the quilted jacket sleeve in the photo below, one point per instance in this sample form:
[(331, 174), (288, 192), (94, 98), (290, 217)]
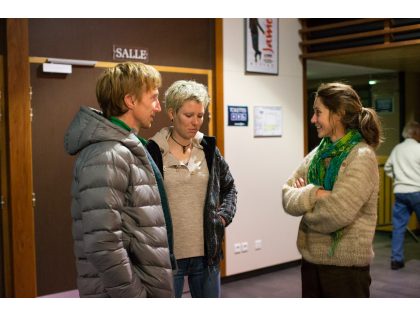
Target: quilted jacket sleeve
[(353, 188), (103, 183), (299, 201), (228, 193)]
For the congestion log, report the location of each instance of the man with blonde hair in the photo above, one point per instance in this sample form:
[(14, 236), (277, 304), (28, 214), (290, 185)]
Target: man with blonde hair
[(403, 165), (121, 222)]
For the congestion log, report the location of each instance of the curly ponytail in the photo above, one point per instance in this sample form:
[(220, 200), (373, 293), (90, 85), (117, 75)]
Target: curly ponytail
[(370, 127)]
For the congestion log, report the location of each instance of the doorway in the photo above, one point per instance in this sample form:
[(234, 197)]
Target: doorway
[(55, 101)]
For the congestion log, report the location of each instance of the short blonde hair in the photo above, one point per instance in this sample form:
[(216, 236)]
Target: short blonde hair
[(125, 78), (182, 90)]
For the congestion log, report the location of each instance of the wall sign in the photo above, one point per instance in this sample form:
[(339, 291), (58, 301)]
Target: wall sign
[(237, 115), (384, 105), (268, 121), (130, 53)]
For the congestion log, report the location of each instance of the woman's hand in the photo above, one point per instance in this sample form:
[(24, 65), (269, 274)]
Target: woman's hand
[(321, 193), (299, 183)]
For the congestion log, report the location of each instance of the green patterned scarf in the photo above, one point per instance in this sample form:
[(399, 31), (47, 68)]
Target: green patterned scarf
[(321, 175)]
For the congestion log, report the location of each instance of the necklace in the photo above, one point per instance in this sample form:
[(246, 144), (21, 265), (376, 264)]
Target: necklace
[(184, 148)]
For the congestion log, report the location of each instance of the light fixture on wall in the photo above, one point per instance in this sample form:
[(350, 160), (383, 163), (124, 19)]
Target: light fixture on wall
[(372, 82)]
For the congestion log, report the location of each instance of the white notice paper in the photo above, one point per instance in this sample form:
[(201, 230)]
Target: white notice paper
[(267, 121)]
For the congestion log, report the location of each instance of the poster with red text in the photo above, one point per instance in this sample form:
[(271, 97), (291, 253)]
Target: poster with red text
[(261, 46)]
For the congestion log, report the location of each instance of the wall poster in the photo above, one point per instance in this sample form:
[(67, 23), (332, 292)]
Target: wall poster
[(261, 46)]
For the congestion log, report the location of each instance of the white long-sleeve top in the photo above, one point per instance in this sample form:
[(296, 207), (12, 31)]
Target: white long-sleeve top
[(404, 166)]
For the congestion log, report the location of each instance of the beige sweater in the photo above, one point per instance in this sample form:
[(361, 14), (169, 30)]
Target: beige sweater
[(186, 188), (352, 205)]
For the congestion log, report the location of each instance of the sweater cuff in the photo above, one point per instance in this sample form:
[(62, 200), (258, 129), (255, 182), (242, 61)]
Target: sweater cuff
[(312, 188)]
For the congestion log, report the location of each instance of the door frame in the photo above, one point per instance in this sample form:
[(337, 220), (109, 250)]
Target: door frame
[(20, 259)]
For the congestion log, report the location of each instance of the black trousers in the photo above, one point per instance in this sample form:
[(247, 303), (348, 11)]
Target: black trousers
[(333, 281)]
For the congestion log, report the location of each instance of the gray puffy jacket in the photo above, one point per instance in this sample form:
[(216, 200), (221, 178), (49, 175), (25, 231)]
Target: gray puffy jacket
[(119, 232)]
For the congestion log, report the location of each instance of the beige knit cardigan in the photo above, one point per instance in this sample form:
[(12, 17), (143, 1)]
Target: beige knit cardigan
[(352, 205)]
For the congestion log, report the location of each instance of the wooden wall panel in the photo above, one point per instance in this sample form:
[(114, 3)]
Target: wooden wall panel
[(20, 158), (56, 99), (171, 42)]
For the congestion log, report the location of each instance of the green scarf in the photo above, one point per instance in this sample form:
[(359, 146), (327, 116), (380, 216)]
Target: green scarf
[(321, 175)]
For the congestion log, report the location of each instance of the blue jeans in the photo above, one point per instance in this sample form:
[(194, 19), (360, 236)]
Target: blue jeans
[(405, 204), (203, 280)]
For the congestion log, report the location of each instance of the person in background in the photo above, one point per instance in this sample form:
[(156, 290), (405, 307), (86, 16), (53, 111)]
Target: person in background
[(200, 189), (403, 165), (119, 228), (335, 191)]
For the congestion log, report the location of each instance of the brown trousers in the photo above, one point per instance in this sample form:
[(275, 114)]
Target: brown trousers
[(333, 281)]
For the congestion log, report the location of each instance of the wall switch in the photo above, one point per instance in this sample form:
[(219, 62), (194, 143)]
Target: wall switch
[(237, 248), (258, 244), (244, 247)]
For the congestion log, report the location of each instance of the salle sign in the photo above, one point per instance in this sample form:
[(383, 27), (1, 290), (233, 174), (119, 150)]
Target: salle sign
[(130, 53)]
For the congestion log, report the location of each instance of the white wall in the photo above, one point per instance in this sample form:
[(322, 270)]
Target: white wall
[(260, 166)]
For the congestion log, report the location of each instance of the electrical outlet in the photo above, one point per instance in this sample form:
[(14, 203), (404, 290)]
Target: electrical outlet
[(237, 248), (258, 244), (244, 247)]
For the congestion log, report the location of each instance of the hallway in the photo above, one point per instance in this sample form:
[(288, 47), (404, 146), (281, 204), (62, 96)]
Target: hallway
[(386, 283)]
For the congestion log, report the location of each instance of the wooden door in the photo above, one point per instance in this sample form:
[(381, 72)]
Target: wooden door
[(55, 101)]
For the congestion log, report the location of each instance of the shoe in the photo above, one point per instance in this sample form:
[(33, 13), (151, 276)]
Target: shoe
[(395, 265)]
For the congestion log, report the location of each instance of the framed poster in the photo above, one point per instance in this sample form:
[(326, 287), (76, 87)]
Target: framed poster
[(261, 46), (268, 121)]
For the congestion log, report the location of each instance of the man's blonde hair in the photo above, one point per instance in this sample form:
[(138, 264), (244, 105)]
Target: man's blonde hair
[(125, 78)]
